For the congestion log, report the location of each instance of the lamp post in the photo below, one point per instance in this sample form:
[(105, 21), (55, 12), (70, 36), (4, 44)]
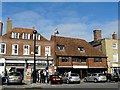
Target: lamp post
[(34, 71), (56, 32), (47, 69)]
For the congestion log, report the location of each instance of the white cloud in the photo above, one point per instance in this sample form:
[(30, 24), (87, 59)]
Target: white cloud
[(109, 28), (77, 29)]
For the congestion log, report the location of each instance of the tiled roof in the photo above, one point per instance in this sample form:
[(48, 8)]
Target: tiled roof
[(71, 47)]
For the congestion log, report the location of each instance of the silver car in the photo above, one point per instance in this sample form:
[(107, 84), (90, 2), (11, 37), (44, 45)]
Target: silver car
[(71, 78), (14, 77), (96, 77)]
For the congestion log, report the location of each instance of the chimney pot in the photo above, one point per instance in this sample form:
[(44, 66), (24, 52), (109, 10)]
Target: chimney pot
[(9, 25), (114, 35), (97, 35), (1, 27)]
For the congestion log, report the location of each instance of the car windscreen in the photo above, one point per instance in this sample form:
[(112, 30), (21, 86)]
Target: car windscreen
[(14, 74), (74, 74)]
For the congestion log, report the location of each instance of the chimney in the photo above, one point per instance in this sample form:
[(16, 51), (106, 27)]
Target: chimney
[(97, 35), (1, 27), (9, 25), (114, 36)]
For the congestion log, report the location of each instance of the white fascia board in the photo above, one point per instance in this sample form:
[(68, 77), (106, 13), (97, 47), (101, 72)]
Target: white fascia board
[(80, 66)]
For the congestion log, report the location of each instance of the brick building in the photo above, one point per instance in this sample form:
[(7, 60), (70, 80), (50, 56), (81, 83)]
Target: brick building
[(77, 55), (17, 48), (109, 47), (64, 54)]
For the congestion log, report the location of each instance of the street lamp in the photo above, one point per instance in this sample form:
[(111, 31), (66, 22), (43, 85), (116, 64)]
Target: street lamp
[(47, 69), (34, 71), (56, 32)]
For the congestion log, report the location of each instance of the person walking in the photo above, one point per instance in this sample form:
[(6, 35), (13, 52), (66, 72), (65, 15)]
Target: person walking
[(38, 76), (41, 77)]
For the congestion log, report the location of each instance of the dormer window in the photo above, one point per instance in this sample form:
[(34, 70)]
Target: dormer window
[(34, 36), (61, 47), (26, 36), (37, 36), (81, 49), (15, 35)]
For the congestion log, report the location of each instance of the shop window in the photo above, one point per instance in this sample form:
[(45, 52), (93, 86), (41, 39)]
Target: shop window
[(65, 59), (97, 59)]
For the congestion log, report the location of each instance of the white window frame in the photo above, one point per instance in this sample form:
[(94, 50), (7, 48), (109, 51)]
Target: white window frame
[(39, 37), (61, 47), (81, 49), (26, 36), (36, 36), (4, 48), (114, 46), (39, 50), (15, 35), (115, 57), (48, 50), (26, 50), (13, 49)]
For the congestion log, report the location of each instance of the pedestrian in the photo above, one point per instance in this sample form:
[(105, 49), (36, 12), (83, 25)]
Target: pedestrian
[(37, 76), (42, 77)]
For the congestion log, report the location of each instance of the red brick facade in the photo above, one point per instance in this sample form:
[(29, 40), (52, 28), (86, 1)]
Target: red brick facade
[(71, 51)]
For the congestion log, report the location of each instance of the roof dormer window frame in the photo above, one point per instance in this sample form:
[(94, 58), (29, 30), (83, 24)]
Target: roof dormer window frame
[(25, 36), (39, 36), (60, 47), (36, 36), (81, 49), (15, 35)]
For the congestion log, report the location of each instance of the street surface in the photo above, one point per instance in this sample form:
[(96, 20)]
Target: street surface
[(110, 86)]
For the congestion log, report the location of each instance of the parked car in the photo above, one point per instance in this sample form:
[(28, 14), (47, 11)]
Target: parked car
[(71, 78), (96, 77), (55, 79), (112, 77), (14, 77)]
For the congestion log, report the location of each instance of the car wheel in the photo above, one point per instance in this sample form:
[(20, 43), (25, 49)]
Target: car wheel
[(85, 80), (67, 82), (109, 80), (78, 82), (7, 83), (95, 80)]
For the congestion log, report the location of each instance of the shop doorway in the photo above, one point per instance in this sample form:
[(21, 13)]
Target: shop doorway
[(21, 70)]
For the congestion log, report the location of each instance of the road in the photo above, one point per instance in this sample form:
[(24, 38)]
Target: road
[(90, 85)]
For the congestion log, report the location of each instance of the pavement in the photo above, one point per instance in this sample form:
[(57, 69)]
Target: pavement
[(29, 85)]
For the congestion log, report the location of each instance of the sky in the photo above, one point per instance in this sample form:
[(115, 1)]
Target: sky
[(72, 19)]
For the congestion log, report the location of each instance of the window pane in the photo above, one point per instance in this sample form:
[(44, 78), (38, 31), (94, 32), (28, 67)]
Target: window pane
[(26, 50), (2, 48), (97, 59), (65, 59)]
